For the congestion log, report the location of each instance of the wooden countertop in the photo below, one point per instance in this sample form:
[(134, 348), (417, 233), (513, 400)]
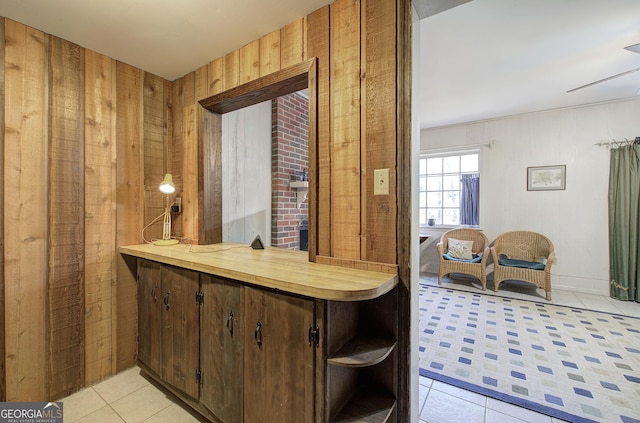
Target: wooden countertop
[(276, 268)]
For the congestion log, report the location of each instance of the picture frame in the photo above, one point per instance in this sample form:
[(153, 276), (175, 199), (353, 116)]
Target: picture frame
[(546, 178)]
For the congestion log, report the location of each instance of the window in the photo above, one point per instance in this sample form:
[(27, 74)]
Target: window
[(442, 191)]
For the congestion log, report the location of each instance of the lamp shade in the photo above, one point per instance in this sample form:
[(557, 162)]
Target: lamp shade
[(167, 186)]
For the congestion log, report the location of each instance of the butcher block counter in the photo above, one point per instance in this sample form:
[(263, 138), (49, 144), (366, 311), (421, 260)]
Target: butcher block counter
[(244, 335), (275, 268)]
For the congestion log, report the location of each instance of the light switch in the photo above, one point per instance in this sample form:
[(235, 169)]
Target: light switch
[(381, 182)]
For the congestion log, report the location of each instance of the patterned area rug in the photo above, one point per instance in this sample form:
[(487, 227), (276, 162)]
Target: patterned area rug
[(573, 364)]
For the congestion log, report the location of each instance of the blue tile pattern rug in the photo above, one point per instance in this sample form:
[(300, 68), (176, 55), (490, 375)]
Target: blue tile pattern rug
[(576, 365)]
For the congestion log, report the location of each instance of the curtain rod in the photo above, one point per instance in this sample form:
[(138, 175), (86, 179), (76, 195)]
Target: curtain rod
[(458, 147), (617, 143)]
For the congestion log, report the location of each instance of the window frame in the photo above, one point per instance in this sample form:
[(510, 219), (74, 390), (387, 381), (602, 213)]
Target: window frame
[(446, 152)]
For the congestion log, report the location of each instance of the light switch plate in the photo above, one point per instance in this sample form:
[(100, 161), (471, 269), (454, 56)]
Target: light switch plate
[(381, 182)]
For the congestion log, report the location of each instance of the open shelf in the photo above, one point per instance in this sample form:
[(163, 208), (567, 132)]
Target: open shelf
[(302, 189), (363, 351), (367, 407)]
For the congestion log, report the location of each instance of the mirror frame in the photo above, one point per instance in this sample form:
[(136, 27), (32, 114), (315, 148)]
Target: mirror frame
[(285, 81)]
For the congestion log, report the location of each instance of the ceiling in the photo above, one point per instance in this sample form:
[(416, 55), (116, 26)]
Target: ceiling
[(168, 38), (492, 58), (479, 60)]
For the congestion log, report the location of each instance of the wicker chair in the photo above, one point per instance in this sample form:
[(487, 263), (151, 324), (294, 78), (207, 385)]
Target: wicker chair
[(480, 246), (527, 246)]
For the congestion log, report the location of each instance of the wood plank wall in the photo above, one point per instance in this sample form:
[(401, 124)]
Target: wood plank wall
[(355, 43), (3, 378), (86, 140), (130, 152), (100, 217), (137, 126), (66, 215), (26, 222)]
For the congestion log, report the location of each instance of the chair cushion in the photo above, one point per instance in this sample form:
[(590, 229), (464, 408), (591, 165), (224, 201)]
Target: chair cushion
[(460, 249), (521, 263), (475, 258)]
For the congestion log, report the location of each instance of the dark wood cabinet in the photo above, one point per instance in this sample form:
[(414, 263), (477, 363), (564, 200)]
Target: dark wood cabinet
[(240, 352), (222, 348), (180, 328), (168, 324), (279, 374), (149, 315)]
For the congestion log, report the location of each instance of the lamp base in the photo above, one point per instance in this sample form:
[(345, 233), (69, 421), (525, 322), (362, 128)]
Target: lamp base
[(165, 242)]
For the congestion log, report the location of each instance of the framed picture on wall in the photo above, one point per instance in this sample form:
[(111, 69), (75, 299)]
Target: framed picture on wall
[(545, 178)]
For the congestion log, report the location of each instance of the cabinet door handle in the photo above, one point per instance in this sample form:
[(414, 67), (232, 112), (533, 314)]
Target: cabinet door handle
[(153, 293), (314, 336), (166, 299), (258, 334), (230, 323)]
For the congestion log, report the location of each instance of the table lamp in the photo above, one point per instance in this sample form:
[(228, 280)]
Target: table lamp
[(167, 187)]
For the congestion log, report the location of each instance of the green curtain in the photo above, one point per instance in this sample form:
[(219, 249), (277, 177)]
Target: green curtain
[(624, 218)]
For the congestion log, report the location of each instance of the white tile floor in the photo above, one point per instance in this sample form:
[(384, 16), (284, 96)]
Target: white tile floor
[(130, 398), (442, 403), (127, 397)]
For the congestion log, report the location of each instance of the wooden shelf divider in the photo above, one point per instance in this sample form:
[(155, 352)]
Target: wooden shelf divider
[(363, 351), (367, 407)]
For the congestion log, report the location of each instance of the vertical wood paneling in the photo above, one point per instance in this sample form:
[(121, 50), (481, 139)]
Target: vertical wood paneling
[(149, 129), (232, 70), (379, 129), (269, 53), (183, 94), (345, 128), (189, 168), (318, 44), (172, 152), (175, 147), (292, 40), (3, 368), (250, 62), (201, 82), (25, 226), (154, 152), (189, 88), (210, 177), (130, 206), (100, 213), (65, 288), (216, 76)]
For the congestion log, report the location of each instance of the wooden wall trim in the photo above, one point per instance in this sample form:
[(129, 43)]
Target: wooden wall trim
[(208, 138), (403, 205), (320, 168), (282, 82), (210, 177), (359, 264), (3, 376)]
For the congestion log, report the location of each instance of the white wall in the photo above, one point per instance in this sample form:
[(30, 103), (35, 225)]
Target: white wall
[(246, 174), (576, 219)]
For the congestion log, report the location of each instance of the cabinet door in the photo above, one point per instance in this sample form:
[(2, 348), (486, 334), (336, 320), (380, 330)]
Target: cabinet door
[(180, 328), (149, 315), (221, 348), (279, 362)]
